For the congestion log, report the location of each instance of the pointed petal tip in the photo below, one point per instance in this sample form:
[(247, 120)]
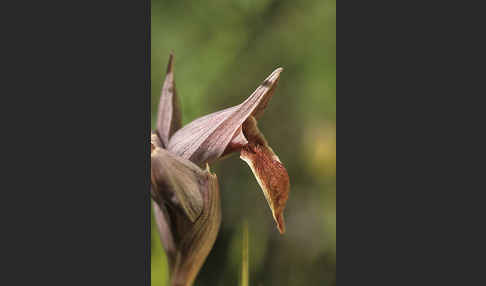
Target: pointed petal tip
[(272, 79), (170, 65), (274, 75)]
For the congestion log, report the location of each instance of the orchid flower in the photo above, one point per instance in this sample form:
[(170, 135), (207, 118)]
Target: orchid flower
[(186, 197)]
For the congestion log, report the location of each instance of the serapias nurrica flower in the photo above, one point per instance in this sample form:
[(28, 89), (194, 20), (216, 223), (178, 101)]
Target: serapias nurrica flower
[(186, 197)]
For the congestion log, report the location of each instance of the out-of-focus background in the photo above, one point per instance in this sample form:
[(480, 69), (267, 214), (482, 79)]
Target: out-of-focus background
[(223, 51)]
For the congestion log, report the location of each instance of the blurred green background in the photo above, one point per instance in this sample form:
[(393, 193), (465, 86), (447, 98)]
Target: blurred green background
[(223, 51)]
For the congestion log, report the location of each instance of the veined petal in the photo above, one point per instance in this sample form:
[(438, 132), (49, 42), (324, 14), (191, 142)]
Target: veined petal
[(205, 139), (268, 170), (169, 114)]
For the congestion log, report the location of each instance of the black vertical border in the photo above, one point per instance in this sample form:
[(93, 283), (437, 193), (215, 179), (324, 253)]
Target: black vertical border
[(77, 176), (410, 141), (147, 144)]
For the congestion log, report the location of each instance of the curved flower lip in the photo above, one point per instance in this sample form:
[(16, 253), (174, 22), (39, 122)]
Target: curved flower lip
[(269, 172), (206, 138)]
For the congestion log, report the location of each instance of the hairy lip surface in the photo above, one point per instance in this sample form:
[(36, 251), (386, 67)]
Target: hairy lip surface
[(270, 173)]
